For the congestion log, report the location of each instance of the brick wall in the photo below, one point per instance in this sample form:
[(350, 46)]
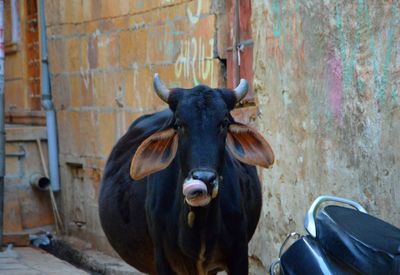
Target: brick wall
[(102, 56)]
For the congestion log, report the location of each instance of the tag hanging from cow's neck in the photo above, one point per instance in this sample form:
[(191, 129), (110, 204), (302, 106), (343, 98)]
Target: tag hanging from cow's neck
[(190, 218), (214, 193)]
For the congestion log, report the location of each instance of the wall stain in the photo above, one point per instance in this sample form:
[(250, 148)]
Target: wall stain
[(335, 87)]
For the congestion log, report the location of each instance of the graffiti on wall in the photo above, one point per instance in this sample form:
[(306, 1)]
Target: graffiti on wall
[(189, 44), (194, 19), (193, 60)]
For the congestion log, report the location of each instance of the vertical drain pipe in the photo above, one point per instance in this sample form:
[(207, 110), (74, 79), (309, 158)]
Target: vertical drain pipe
[(236, 42), (47, 105), (2, 123)]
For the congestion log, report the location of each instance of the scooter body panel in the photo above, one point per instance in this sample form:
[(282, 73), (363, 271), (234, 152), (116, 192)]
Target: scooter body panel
[(306, 256)]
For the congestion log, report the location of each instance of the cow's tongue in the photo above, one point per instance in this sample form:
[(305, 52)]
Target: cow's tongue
[(196, 193)]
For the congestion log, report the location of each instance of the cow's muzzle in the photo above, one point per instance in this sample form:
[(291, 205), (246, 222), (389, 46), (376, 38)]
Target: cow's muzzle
[(200, 187)]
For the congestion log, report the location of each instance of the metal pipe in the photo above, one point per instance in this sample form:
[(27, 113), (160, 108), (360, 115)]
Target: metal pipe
[(56, 213), (40, 182), (2, 123), (236, 41), (16, 154), (47, 105)]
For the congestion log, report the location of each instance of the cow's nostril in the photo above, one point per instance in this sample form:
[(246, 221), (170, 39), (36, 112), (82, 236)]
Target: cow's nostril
[(204, 175)]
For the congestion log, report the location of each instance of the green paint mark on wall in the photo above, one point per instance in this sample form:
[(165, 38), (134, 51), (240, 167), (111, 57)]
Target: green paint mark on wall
[(276, 11), (349, 50), (349, 63)]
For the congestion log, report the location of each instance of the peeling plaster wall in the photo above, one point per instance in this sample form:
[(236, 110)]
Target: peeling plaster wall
[(327, 77)]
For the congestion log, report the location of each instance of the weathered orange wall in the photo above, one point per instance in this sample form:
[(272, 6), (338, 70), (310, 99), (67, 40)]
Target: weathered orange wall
[(103, 55)]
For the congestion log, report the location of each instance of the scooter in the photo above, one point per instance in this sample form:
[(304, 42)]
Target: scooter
[(340, 240)]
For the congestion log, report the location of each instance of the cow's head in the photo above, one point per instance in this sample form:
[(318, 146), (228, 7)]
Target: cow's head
[(202, 129)]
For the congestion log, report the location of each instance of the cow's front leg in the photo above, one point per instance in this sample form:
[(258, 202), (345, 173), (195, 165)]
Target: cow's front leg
[(238, 261), (162, 265)]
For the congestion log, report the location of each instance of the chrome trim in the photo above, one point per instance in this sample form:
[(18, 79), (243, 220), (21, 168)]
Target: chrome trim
[(294, 236), (273, 266), (309, 221)]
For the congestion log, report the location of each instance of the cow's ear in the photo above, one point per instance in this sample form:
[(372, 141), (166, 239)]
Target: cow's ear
[(248, 146), (154, 154)]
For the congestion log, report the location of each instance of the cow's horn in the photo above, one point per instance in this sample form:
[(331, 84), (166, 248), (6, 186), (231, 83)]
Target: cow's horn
[(241, 90), (161, 89)]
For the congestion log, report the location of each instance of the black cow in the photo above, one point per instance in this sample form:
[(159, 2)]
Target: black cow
[(180, 194)]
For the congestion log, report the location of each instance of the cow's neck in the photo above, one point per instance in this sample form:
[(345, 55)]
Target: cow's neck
[(199, 218), (197, 232)]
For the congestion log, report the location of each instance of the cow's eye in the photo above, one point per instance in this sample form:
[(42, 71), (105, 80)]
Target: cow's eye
[(178, 124), (224, 124)]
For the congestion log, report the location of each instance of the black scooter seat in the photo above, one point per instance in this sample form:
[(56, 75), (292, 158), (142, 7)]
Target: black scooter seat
[(365, 243)]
